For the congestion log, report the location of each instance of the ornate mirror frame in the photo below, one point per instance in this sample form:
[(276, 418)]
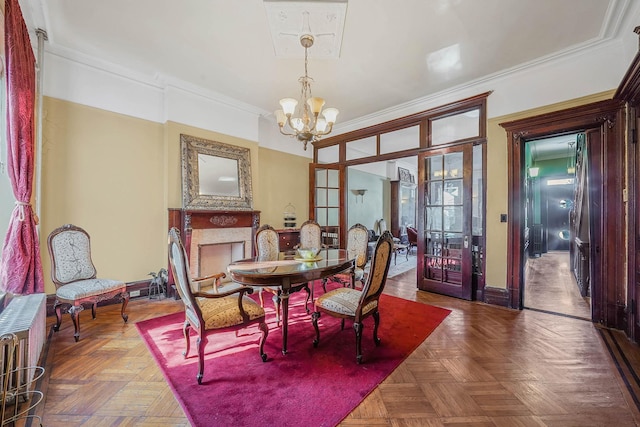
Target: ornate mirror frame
[(191, 148)]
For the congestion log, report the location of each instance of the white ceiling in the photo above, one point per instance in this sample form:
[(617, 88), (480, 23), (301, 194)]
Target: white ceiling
[(390, 53)]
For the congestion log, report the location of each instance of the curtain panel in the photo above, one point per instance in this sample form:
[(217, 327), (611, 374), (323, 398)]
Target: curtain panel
[(21, 267)]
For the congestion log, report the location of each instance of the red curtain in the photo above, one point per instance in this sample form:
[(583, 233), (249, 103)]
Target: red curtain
[(21, 268)]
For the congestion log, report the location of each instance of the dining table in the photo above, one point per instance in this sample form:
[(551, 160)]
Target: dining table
[(290, 273)]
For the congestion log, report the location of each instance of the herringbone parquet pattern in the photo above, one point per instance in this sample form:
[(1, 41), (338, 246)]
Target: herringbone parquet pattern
[(483, 366)]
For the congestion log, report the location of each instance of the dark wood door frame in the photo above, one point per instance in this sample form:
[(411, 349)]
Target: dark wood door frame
[(607, 214)]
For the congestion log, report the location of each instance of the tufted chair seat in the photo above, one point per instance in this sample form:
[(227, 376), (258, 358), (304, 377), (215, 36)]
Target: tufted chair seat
[(74, 275)]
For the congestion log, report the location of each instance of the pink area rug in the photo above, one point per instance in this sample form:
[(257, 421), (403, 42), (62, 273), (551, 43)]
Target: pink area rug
[(307, 386)]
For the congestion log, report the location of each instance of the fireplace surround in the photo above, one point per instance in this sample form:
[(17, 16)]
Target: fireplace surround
[(202, 229)]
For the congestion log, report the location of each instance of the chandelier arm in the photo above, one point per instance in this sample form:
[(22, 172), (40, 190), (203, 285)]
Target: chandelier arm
[(327, 130), (285, 133)]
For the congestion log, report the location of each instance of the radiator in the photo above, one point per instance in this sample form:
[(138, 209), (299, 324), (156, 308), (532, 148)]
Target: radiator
[(25, 317)]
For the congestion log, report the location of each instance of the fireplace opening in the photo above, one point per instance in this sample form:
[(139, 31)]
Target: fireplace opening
[(215, 257)]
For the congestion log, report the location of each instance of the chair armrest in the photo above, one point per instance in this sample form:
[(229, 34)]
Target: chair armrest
[(203, 281), (242, 290)]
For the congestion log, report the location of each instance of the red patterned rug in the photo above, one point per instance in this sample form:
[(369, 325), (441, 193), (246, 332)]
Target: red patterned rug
[(307, 386)]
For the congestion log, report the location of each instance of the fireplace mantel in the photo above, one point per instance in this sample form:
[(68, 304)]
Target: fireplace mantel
[(186, 220)]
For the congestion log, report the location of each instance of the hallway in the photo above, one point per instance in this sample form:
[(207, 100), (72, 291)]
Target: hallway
[(551, 287)]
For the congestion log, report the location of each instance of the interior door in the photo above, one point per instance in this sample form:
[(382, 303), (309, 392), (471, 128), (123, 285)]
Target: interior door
[(326, 201), (446, 247)]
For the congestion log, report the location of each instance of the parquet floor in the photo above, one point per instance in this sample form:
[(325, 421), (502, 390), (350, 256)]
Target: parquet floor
[(483, 366)]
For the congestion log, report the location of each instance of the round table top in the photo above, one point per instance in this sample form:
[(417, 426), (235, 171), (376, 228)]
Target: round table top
[(261, 272)]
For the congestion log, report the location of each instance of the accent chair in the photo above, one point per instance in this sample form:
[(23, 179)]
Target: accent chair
[(354, 304), (74, 275), (412, 235), (208, 313)]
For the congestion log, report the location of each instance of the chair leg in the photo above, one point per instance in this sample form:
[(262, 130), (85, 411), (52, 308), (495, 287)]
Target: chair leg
[(276, 303), (93, 309), (314, 319), (125, 301), (261, 298), (57, 306), (265, 332), (185, 331), (202, 342), (74, 312), (376, 318), (357, 327), (324, 285)]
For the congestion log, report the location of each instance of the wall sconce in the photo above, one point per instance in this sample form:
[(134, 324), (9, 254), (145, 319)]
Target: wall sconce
[(533, 172), (360, 192)]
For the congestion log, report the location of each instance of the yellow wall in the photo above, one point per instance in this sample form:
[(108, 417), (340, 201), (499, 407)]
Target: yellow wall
[(284, 179), (115, 176), (104, 172), (497, 184)]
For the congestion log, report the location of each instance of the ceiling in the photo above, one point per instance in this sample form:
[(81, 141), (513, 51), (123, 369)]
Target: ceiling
[(385, 56)]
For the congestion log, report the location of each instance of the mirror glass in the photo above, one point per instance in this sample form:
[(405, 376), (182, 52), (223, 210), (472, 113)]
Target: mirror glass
[(215, 175)]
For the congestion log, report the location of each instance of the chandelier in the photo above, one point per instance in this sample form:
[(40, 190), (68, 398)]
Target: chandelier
[(305, 122)]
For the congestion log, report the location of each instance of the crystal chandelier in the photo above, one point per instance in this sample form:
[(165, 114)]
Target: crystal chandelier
[(305, 122)]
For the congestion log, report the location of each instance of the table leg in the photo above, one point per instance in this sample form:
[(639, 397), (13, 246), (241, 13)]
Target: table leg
[(284, 300)]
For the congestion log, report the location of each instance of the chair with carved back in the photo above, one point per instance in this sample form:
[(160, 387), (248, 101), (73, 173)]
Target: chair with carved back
[(354, 304), (310, 236), (268, 249), (207, 312), (74, 275), (357, 245)]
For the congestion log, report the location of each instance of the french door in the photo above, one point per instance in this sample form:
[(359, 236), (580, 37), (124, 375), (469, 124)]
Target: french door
[(325, 199), (452, 221)]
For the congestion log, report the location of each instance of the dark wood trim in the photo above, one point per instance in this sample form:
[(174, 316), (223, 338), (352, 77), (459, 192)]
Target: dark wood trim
[(408, 121), (606, 120), (496, 296)]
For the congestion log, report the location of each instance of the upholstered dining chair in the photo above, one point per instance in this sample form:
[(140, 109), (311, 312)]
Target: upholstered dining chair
[(208, 313), (268, 249), (310, 235), (74, 276), (357, 245), (354, 304)]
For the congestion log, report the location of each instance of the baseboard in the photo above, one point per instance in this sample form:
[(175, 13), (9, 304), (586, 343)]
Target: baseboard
[(496, 296)]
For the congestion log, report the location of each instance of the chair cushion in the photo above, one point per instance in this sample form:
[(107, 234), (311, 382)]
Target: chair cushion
[(223, 312), (344, 301), (88, 288)]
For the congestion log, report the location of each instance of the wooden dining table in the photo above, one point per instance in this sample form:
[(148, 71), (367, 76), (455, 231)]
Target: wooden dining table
[(289, 272)]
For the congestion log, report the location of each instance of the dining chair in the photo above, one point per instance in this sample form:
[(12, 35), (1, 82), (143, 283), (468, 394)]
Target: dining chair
[(74, 275), (268, 249), (310, 235), (357, 246), (208, 313), (355, 304)]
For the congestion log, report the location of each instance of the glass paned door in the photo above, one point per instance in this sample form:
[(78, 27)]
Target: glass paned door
[(447, 222), (326, 203)]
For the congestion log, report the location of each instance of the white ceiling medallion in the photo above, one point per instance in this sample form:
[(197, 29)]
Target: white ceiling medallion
[(288, 20)]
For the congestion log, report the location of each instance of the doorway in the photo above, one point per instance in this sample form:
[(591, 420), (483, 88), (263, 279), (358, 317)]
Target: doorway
[(551, 271), (604, 127)]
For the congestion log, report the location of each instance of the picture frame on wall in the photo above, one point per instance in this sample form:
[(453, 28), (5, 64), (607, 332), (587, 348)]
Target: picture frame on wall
[(404, 174)]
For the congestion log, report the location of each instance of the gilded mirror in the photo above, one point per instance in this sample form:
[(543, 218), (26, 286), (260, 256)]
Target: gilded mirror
[(215, 175)]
